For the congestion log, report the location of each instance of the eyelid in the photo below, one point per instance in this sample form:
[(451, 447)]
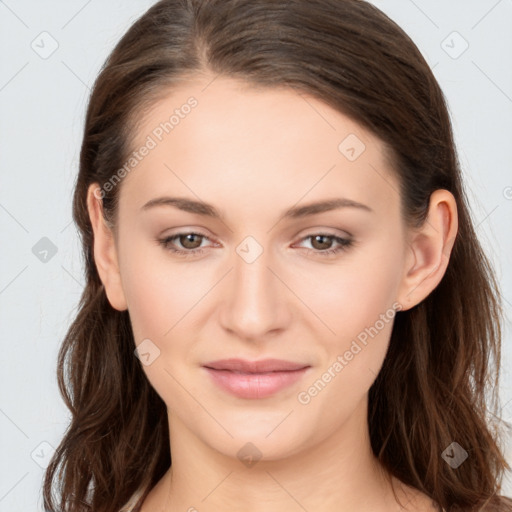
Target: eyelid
[(186, 231), (342, 233)]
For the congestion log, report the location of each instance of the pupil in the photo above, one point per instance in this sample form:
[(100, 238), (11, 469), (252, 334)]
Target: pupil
[(188, 240), (320, 237)]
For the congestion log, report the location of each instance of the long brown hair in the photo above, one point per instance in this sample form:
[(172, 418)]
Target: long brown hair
[(438, 383)]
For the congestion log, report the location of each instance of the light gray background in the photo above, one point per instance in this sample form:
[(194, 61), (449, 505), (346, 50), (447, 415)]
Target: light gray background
[(42, 106)]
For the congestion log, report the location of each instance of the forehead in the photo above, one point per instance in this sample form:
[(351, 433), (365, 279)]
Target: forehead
[(222, 138)]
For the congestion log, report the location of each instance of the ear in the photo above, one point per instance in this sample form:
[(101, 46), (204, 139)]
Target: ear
[(105, 251), (429, 250)]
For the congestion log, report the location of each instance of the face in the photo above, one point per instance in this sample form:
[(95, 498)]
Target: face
[(315, 287)]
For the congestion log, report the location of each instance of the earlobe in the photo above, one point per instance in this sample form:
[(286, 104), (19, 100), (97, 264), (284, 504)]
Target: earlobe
[(105, 252), (429, 250)]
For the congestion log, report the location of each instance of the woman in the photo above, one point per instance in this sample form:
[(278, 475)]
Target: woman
[(285, 293)]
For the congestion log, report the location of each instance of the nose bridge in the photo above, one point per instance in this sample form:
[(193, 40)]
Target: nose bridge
[(255, 303)]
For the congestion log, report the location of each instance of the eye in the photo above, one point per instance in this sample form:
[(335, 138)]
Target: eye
[(191, 242), (322, 244)]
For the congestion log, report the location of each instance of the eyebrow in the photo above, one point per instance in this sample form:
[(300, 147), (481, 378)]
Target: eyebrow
[(295, 212)]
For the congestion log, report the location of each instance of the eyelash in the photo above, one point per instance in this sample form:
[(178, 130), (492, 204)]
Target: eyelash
[(344, 244)]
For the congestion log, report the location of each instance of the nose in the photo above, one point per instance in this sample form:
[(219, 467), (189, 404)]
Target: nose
[(255, 305)]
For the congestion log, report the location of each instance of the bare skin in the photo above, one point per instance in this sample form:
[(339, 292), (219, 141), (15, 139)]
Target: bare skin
[(253, 154)]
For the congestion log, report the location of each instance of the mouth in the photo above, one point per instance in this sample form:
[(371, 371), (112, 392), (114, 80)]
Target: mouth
[(254, 379)]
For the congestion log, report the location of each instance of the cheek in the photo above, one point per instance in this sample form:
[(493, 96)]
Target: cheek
[(159, 293), (353, 295), (161, 303), (362, 317)]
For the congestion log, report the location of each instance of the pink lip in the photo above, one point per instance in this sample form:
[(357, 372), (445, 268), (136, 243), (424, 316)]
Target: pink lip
[(254, 379)]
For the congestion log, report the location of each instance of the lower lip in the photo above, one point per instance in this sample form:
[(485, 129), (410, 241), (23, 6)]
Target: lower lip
[(254, 385)]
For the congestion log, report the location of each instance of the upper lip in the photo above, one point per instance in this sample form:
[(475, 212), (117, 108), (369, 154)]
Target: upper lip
[(262, 366)]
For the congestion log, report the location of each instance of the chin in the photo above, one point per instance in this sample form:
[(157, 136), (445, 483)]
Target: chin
[(265, 439)]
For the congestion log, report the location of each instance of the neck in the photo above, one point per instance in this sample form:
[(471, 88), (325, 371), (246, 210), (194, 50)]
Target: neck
[(339, 474)]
